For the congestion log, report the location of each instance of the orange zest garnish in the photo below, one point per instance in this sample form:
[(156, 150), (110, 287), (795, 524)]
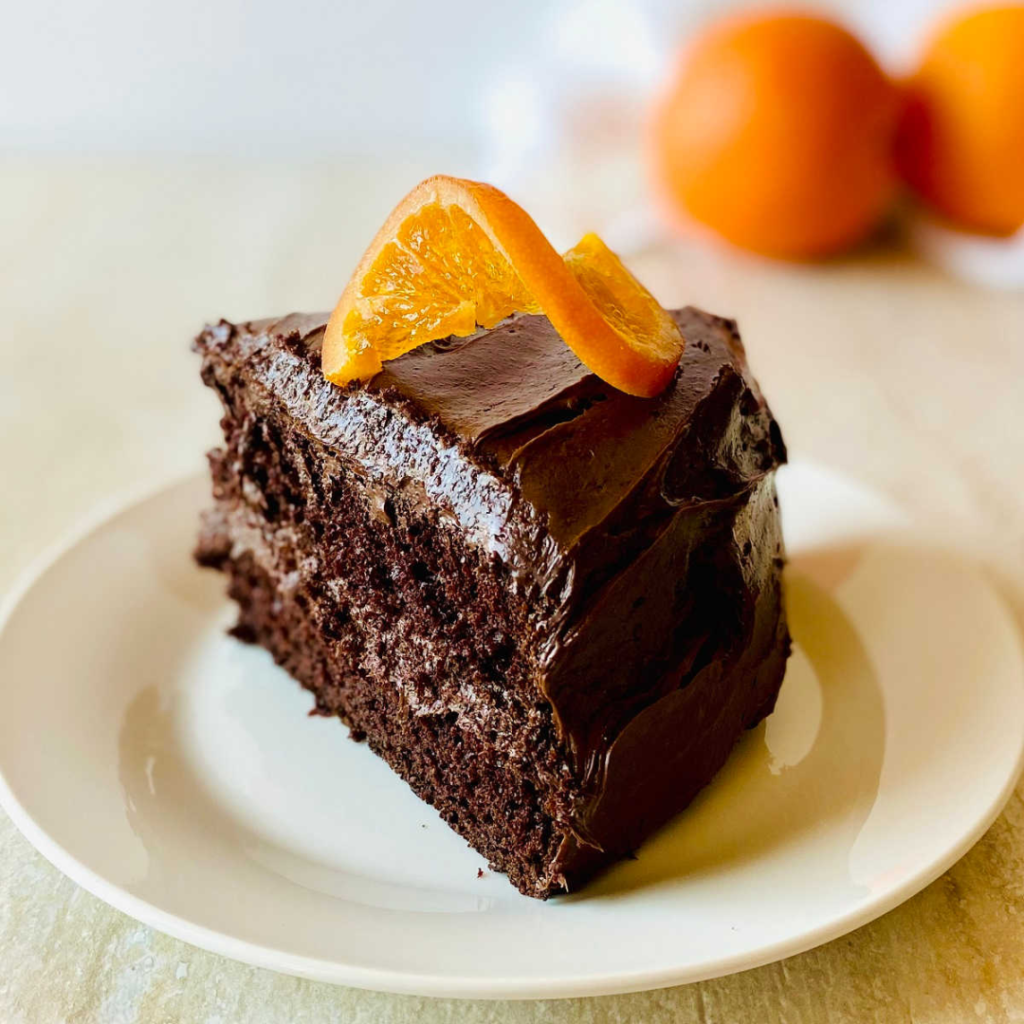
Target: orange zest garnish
[(457, 255)]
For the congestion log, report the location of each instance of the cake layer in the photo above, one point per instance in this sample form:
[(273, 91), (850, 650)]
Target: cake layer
[(543, 601)]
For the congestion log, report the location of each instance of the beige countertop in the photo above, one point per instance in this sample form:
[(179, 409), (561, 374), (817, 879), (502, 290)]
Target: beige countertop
[(878, 366)]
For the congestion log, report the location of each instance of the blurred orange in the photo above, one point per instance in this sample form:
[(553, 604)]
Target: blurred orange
[(961, 144), (777, 133)]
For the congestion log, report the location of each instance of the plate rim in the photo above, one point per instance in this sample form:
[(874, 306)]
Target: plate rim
[(452, 985)]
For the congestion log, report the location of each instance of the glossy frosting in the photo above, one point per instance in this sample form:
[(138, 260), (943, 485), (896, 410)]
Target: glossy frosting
[(520, 409)]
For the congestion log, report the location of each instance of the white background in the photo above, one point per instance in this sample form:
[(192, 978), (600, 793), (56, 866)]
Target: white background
[(314, 77)]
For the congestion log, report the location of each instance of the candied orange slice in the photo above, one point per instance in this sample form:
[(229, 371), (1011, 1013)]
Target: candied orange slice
[(457, 255)]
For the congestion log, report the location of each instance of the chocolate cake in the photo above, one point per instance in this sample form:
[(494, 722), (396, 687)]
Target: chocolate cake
[(551, 607)]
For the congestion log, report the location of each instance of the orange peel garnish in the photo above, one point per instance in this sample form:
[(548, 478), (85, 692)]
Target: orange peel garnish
[(456, 255)]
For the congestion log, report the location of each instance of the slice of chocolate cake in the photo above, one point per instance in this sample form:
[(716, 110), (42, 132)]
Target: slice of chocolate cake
[(552, 608)]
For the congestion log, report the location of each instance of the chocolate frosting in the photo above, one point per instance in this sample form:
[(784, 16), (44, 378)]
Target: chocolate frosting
[(518, 403), (585, 494)]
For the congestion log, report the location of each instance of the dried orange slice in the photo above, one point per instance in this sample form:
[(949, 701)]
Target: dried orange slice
[(456, 255)]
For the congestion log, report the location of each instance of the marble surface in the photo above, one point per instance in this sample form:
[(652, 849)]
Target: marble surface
[(877, 365)]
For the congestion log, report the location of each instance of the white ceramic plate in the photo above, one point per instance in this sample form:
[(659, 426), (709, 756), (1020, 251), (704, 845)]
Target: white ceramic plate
[(174, 773)]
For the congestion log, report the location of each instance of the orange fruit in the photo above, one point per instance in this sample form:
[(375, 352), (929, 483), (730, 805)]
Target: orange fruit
[(961, 143), (776, 133), (455, 255)]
